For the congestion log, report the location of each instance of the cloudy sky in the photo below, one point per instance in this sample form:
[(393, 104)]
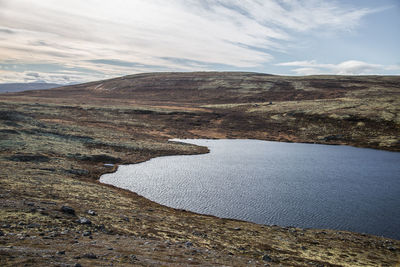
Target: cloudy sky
[(67, 41)]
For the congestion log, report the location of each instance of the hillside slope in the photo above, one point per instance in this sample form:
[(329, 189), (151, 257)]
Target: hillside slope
[(355, 110)]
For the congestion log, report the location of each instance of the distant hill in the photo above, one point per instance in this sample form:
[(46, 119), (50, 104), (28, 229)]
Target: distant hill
[(328, 109), (18, 87), (204, 88)]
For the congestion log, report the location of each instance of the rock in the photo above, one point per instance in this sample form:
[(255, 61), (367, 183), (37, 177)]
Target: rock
[(77, 171), (61, 252), (1, 233), (266, 258), (333, 137), (89, 256), (68, 210), (108, 165), (83, 220), (189, 244), (237, 229), (110, 249), (29, 158), (33, 225), (91, 212), (77, 265), (87, 233), (54, 234)]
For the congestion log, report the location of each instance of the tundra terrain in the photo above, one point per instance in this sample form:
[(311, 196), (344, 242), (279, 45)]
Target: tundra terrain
[(55, 144)]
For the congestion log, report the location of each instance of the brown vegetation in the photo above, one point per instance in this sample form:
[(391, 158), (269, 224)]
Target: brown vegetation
[(54, 144)]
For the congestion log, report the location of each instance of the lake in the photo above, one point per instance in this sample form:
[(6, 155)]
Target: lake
[(287, 184)]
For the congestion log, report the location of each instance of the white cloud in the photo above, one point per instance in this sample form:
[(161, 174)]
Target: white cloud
[(350, 67), (237, 33)]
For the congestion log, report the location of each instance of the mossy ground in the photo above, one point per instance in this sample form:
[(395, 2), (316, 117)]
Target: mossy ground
[(53, 150)]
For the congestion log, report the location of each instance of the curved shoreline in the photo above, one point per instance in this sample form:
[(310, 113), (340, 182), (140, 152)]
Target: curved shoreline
[(180, 141)]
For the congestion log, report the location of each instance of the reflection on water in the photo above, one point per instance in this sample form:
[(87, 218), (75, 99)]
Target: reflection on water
[(303, 185)]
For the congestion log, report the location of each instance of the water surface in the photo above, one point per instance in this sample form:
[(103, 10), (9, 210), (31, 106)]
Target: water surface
[(288, 184)]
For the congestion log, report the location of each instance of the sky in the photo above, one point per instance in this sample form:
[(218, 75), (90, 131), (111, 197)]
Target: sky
[(69, 41)]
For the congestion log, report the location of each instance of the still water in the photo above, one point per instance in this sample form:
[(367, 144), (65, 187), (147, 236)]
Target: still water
[(288, 184)]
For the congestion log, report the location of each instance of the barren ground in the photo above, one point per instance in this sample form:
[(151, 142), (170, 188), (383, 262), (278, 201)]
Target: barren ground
[(54, 144)]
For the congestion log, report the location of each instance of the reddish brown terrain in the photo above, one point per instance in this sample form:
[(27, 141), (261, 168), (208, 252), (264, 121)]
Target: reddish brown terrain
[(54, 144)]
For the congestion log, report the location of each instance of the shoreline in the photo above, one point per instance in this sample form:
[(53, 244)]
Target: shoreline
[(179, 141)]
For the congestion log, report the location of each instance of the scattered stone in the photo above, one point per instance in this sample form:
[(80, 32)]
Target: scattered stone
[(89, 256), (266, 258), (54, 234), (108, 165), (33, 225), (110, 249), (77, 171), (48, 202), (68, 210), (61, 252), (126, 219), (6, 226), (237, 229), (1, 233), (133, 258), (77, 265), (83, 220), (189, 244), (87, 233), (91, 212), (29, 158), (333, 137)]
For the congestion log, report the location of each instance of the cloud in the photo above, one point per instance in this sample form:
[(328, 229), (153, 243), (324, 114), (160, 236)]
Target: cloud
[(350, 67), (114, 37), (10, 76), (33, 74), (6, 31)]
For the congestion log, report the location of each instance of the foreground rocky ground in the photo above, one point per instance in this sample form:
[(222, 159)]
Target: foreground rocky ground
[(53, 147)]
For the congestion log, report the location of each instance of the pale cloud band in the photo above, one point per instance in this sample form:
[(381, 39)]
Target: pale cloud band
[(350, 67), (96, 39)]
